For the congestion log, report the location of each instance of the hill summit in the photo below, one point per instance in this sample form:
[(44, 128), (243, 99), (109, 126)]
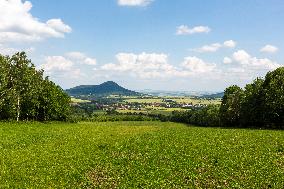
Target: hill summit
[(104, 89)]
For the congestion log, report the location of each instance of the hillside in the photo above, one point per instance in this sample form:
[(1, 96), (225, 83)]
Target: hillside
[(106, 88)]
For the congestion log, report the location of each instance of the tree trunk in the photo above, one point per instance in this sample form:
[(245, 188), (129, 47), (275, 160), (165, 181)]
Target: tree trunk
[(18, 108)]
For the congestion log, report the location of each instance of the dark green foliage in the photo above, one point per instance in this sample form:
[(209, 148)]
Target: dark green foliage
[(230, 107), (104, 89), (260, 104), (181, 116), (252, 105), (207, 116), (26, 95), (273, 93)]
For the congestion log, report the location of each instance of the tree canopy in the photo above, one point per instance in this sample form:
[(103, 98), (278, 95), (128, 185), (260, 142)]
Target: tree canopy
[(260, 104)]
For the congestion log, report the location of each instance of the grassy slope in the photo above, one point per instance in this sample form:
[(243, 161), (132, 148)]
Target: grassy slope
[(138, 154)]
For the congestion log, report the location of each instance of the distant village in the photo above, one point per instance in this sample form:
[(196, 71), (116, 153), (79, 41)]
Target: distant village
[(108, 105)]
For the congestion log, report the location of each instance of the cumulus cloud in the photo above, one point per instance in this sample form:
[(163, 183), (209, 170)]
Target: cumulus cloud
[(215, 47), (197, 65), (154, 65), (81, 58), (241, 67), (246, 60), (269, 49), (241, 56), (19, 25), (57, 63), (230, 44), (143, 65), (208, 48), (4, 50), (67, 66), (141, 3), (227, 60), (185, 30)]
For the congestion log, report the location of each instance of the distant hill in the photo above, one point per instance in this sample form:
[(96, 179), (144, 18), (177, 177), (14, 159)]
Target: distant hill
[(216, 95), (104, 89)]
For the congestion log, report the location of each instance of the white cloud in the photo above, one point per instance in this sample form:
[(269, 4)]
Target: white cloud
[(208, 48), (58, 25), (230, 44), (269, 49), (144, 65), (246, 60), (142, 3), (227, 60), (154, 65), (215, 47), (81, 58), (185, 30), (69, 65), (241, 56), (61, 69), (197, 65), (4, 50), (7, 50), (19, 25), (57, 63)]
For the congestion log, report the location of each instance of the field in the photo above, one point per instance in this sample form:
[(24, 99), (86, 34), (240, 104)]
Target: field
[(176, 99), (138, 155), (153, 110), (77, 100)]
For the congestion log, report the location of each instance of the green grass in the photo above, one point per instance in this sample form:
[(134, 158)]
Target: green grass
[(138, 155), (76, 100)]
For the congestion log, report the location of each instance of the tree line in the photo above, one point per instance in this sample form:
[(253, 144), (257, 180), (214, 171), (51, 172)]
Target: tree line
[(259, 105), (25, 94)]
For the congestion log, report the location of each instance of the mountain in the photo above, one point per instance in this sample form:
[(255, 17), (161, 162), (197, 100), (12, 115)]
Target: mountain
[(216, 95), (104, 89)]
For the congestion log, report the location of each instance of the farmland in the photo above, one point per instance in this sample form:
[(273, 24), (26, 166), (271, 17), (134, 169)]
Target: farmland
[(143, 104), (174, 99), (138, 155)]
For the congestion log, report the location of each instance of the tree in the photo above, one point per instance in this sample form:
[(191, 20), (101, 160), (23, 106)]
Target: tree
[(252, 107), (26, 95), (230, 109), (273, 92), (22, 80), (54, 102), (7, 109)]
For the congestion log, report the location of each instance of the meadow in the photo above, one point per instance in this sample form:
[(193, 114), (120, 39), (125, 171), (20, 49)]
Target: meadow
[(175, 99), (138, 155)]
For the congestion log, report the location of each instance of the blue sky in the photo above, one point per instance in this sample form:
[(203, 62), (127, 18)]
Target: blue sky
[(147, 44)]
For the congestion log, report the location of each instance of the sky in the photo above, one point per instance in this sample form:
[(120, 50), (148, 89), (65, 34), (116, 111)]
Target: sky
[(181, 45)]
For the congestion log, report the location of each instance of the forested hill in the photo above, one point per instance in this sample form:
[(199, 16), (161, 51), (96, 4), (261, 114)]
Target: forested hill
[(106, 88), (216, 95)]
